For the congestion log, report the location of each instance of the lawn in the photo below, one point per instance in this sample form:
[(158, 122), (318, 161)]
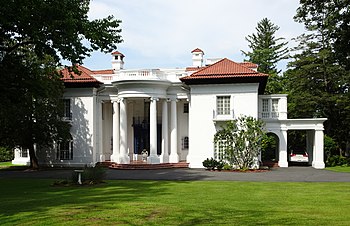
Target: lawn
[(10, 166), (35, 202), (345, 169)]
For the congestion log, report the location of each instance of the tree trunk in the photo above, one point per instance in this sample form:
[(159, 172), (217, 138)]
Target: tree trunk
[(33, 159)]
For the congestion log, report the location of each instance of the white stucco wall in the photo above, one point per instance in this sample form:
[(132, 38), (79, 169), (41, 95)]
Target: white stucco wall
[(244, 101), (81, 131)]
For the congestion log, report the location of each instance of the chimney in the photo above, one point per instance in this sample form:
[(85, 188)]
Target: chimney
[(117, 61), (197, 57)]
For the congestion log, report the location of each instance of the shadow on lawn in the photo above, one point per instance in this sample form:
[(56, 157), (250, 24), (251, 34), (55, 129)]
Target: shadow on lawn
[(35, 197)]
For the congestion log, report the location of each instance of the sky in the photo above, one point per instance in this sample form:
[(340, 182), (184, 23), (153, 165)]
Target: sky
[(162, 33)]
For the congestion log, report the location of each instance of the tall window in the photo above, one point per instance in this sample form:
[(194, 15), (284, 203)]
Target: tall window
[(67, 115), (265, 108), (223, 105), (185, 107), (184, 143), (65, 150)]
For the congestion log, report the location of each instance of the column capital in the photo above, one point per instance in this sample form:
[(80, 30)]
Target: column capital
[(121, 99), (154, 99), (173, 99)]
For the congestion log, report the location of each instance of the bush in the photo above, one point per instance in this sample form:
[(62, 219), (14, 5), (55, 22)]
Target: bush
[(6, 154), (227, 166), (209, 164), (337, 160), (212, 164)]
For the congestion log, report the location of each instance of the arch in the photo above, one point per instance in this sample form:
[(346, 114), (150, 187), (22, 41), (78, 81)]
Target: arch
[(270, 149)]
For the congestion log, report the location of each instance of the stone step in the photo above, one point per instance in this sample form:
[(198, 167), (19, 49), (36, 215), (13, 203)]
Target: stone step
[(149, 166)]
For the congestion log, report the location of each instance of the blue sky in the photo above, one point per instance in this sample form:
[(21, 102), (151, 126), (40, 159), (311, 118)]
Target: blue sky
[(162, 33)]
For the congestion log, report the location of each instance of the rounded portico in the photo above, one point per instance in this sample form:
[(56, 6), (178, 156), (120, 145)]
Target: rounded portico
[(144, 116)]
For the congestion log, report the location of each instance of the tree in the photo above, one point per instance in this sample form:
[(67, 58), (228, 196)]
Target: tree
[(332, 17), (267, 51), (242, 141), (318, 83), (34, 35), (56, 28), (31, 106)]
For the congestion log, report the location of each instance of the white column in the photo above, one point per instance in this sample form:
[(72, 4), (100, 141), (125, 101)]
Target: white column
[(164, 158), (153, 158), (116, 132), (174, 157), (102, 157), (283, 155), (130, 144), (123, 157), (318, 158), (94, 130)]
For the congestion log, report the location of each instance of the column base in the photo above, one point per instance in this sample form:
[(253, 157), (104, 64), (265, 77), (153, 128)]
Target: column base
[(318, 165), (102, 158), (164, 158), (153, 159), (174, 158), (282, 164), (124, 159), (114, 158)]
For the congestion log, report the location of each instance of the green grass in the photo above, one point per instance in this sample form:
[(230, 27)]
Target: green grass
[(345, 169), (35, 202), (10, 166)]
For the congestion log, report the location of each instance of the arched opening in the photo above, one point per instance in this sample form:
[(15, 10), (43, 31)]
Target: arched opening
[(270, 149)]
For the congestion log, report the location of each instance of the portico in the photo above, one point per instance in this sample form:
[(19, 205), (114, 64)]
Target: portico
[(144, 118)]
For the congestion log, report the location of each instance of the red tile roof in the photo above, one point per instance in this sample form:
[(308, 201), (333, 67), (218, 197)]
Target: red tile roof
[(249, 64), (197, 50), (117, 53), (194, 68), (106, 71), (224, 68), (83, 77)]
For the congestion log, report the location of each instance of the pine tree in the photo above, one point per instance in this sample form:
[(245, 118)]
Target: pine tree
[(267, 51)]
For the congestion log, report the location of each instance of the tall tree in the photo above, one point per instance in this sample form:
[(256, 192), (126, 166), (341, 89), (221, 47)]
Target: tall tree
[(266, 51), (318, 83), (332, 16), (55, 28), (34, 35)]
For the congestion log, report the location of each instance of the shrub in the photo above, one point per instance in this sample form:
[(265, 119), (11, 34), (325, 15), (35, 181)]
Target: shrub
[(337, 160), (227, 166), (210, 164), (220, 165), (6, 154)]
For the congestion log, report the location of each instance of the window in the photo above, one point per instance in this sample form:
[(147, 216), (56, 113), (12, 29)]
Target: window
[(223, 105), (265, 108), (185, 107), (184, 143), (219, 150), (67, 115), (24, 153), (65, 150)]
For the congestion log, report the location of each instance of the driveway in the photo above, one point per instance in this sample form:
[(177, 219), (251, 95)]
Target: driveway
[(290, 174)]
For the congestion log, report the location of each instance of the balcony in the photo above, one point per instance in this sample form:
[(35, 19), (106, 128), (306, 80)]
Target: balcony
[(223, 117), (273, 107)]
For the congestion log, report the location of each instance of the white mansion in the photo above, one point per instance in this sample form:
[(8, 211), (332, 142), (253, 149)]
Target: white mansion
[(173, 114)]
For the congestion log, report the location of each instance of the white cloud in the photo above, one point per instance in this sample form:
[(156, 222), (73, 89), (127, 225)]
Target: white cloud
[(162, 33)]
